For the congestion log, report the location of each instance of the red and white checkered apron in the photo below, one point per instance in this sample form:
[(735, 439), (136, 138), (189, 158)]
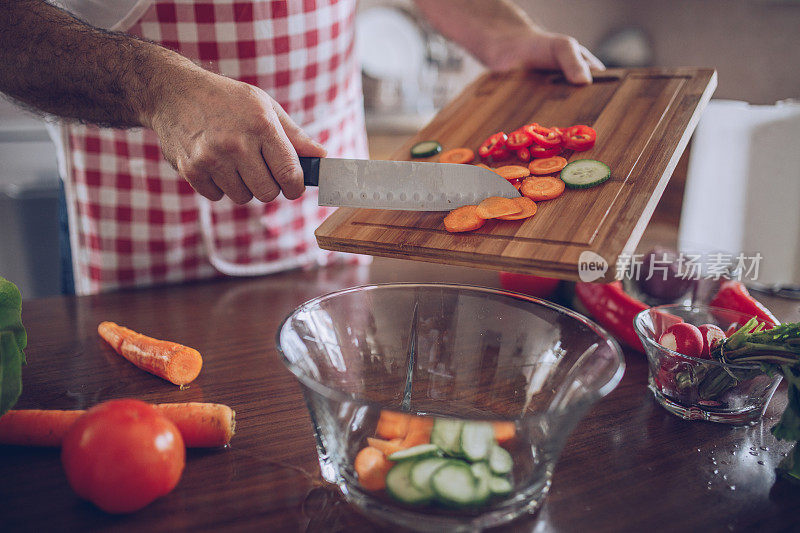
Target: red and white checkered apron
[(134, 221)]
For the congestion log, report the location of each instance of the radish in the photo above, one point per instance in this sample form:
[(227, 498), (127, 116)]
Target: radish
[(683, 338), (712, 335)]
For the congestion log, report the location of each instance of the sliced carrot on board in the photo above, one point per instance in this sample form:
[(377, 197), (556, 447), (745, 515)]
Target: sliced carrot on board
[(169, 360), (371, 465), (482, 165), (392, 425), (547, 165), (457, 155), (497, 206), (463, 219), (513, 172), (542, 188), (528, 207), (388, 447), (504, 431), (419, 431)]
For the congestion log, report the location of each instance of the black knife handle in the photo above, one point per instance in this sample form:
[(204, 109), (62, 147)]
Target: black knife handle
[(310, 167)]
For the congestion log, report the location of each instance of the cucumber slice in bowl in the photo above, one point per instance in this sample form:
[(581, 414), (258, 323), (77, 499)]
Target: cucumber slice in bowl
[(585, 173), (446, 434), (400, 487), (422, 471), (454, 484), (500, 461), (415, 452), (426, 149), (477, 439)]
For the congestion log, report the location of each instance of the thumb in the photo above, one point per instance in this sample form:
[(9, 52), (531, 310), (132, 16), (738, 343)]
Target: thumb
[(304, 145)]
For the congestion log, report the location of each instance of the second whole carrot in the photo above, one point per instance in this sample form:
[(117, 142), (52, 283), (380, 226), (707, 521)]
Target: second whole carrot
[(174, 362)]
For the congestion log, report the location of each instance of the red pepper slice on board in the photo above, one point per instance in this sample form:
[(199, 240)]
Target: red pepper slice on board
[(519, 139), (524, 155), (540, 151), (500, 154), (493, 144), (545, 137), (560, 131), (579, 138), (734, 295)]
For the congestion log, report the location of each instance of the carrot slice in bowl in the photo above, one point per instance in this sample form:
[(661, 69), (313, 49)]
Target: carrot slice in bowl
[(548, 165), (528, 207), (457, 155), (497, 206), (542, 188), (463, 219), (513, 172)]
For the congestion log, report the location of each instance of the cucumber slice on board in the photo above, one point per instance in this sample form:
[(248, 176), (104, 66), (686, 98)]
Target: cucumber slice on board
[(415, 452), (584, 173), (477, 439), (426, 149), (500, 461), (423, 470), (446, 434), (400, 487), (455, 484)]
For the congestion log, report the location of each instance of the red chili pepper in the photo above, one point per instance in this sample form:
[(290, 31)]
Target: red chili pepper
[(541, 151), (545, 137), (519, 139), (493, 144), (734, 295), (524, 155), (612, 308), (579, 138), (500, 155)]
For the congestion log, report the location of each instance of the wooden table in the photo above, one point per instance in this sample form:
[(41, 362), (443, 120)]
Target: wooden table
[(629, 465)]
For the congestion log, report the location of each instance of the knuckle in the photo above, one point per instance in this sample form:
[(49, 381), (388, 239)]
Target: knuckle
[(286, 171), (268, 192)]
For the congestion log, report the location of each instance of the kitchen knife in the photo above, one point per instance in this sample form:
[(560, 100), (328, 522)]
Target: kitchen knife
[(407, 185)]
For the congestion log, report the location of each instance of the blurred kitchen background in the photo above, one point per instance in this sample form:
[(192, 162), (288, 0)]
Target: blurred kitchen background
[(719, 197)]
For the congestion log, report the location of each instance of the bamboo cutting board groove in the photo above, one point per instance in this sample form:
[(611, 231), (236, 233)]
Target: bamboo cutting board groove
[(644, 119)]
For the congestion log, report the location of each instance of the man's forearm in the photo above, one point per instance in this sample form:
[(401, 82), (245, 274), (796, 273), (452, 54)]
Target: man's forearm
[(480, 26), (55, 63)]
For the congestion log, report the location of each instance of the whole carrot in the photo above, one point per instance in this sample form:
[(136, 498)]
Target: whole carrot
[(202, 425), (174, 362)]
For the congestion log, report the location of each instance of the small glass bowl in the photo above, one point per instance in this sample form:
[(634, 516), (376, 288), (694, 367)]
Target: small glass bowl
[(702, 389), (436, 351)]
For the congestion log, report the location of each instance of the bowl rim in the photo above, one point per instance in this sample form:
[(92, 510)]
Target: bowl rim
[(688, 307), (338, 395)]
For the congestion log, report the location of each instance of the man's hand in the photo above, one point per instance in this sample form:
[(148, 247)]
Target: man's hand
[(503, 37), (223, 136), (231, 138)]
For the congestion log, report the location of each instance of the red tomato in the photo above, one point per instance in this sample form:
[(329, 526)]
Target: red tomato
[(123, 454), (533, 285)]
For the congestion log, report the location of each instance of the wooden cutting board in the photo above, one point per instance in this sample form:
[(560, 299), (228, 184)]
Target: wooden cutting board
[(643, 118)]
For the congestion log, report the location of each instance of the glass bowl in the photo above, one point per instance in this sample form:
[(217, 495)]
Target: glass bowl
[(444, 354), (702, 389)]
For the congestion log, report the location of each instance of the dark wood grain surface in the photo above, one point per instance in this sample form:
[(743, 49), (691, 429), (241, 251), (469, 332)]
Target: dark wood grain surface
[(629, 465), (643, 118)]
